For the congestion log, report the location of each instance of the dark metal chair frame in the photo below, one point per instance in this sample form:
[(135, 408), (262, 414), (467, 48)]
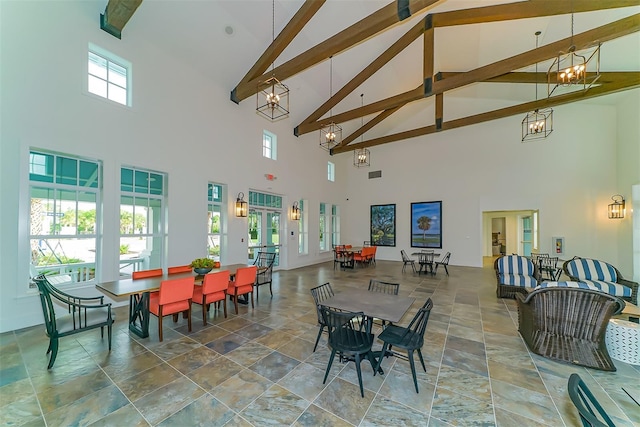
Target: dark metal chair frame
[(349, 336), (586, 404), (320, 294), (410, 339), (426, 259), (568, 324), (383, 288), (407, 261), (264, 261), (84, 313)]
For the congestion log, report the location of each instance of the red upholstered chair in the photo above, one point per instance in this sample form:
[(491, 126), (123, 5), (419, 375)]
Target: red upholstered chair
[(146, 273), (180, 269), (175, 296), (243, 284), (213, 289)]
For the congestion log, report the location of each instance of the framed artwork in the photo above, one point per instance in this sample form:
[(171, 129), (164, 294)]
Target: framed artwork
[(426, 225), (383, 225), (557, 245)]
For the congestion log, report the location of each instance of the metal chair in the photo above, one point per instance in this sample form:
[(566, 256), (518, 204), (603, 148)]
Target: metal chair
[(320, 294), (410, 339), (443, 262), (549, 268), (264, 261), (407, 261), (425, 260), (586, 404), (383, 288), (349, 336)]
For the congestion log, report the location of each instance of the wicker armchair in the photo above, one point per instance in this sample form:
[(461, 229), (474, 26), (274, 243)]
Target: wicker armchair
[(602, 275), (568, 324), (514, 273)]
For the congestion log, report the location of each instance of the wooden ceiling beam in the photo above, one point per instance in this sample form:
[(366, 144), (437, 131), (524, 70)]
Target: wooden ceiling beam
[(361, 77), (116, 15), (378, 21), (523, 10), (540, 78), (370, 124), (582, 41), (630, 81), (279, 44)]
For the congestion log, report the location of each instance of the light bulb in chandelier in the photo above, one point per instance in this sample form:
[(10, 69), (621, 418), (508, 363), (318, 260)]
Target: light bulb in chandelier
[(330, 136), (273, 99)]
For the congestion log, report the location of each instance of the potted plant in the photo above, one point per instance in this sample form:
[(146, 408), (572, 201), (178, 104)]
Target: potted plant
[(202, 265)]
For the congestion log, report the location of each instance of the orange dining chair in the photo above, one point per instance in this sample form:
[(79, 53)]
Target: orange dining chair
[(146, 273), (243, 284), (213, 289), (180, 269), (175, 296)]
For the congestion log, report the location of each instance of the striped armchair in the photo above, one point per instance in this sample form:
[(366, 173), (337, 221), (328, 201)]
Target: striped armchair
[(514, 273), (601, 276)]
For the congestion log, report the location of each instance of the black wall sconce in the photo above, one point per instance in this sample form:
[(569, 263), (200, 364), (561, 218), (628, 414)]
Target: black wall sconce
[(295, 212), (241, 206), (616, 209)]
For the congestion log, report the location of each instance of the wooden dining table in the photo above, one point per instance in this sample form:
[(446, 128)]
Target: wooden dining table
[(138, 292), (387, 307)]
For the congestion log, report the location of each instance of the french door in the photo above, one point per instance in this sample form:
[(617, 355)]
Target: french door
[(264, 232)]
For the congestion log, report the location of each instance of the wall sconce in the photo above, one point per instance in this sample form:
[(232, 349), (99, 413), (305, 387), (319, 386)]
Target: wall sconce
[(241, 206), (616, 209), (295, 212)]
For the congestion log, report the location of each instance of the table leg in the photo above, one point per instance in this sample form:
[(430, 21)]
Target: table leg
[(139, 314)]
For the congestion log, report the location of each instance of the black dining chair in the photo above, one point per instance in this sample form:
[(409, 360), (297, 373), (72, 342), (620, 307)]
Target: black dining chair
[(425, 261), (320, 294), (591, 412), (410, 339), (350, 337), (443, 262), (407, 261), (383, 288), (264, 261)]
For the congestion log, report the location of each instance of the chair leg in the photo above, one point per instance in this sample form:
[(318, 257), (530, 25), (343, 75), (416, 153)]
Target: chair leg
[(359, 374), (109, 335), (382, 353), (251, 298), (422, 360), (235, 301), (445, 269), (271, 289), (53, 345), (326, 374), (204, 313), (160, 323), (189, 317), (224, 304), (413, 369), (318, 338)]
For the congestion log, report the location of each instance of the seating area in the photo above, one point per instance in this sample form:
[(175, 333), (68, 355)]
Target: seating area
[(269, 350), (602, 276), (514, 273)]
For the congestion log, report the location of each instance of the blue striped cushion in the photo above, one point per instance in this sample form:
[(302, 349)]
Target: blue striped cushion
[(514, 264), (518, 280), (591, 269), (610, 288)]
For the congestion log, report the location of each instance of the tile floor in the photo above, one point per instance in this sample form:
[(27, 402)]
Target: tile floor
[(258, 368)]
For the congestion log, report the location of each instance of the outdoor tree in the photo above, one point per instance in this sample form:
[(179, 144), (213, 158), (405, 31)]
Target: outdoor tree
[(424, 224)]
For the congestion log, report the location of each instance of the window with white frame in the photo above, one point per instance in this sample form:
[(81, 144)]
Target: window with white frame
[(109, 76), (269, 145), (64, 216), (143, 227), (335, 225), (216, 221), (323, 236), (303, 229), (331, 171)]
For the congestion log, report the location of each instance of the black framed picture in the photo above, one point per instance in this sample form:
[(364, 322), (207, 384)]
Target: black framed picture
[(383, 225), (426, 225)]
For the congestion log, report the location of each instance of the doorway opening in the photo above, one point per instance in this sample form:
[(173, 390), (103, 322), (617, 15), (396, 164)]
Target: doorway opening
[(509, 232)]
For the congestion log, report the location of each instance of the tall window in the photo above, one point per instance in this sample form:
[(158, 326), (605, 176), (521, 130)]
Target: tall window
[(109, 76), (303, 228), (331, 171), (215, 221), (323, 237), (64, 216), (143, 226), (269, 145), (335, 225)]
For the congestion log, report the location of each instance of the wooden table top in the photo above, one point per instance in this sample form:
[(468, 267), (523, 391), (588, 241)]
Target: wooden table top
[(126, 287), (374, 304), (631, 310)]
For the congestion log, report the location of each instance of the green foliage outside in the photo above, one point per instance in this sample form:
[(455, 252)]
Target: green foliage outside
[(124, 249), (51, 260)]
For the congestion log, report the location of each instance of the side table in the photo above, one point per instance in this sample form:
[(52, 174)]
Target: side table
[(623, 341)]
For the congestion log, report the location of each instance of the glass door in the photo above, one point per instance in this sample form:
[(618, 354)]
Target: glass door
[(527, 236), (264, 233)]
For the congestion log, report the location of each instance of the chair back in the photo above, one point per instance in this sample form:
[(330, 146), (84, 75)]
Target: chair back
[(175, 291), (591, 412), (418, 325), (146, 273), (215, 282), (383, 287), (180, 269), (426, 257), (404, 255), (246, 276), (445, 259), (348, 331), (47, 306), (366, 243), (591, 269), (265, 259), (320, 294), (515, 264)]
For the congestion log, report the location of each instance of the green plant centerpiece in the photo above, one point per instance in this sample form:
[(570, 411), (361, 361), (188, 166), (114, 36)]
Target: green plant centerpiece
[(202, 265)]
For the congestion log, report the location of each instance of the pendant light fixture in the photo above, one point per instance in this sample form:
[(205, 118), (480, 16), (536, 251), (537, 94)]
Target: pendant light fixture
[(331, 134), (537, 123), (272, 97), (362, 156)]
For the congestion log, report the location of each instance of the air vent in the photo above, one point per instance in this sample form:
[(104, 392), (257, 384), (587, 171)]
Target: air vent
[(375, 174)]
